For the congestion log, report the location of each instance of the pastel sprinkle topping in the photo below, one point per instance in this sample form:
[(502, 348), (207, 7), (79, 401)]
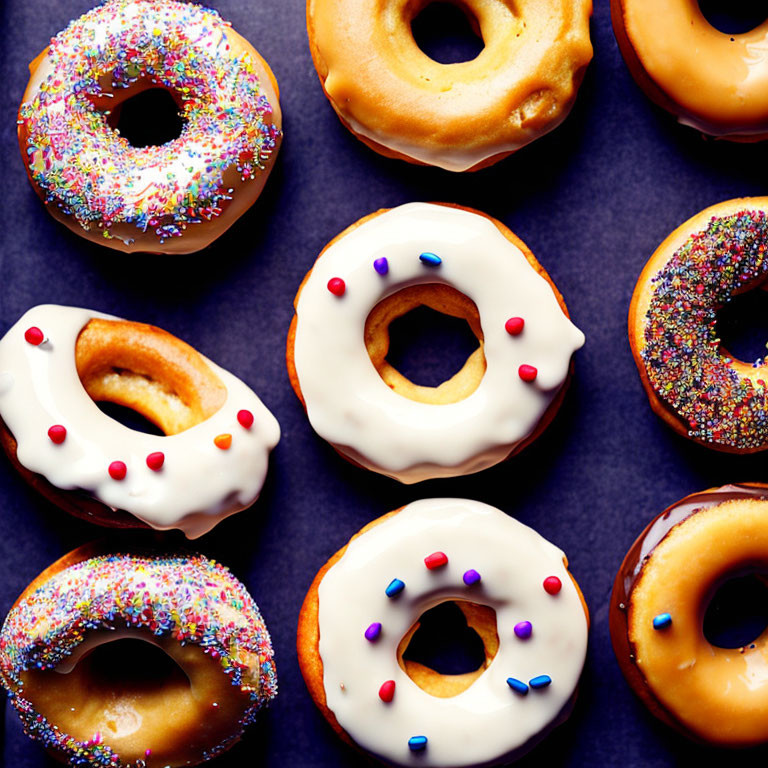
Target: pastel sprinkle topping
[(518, 686), (542, 681), (118, 470), (57, 433), (155, 461), (394, 588), (436, 560), (527, 373), (430, 259), (514, 326), (245, 419), (523, 629), (223, 441), (373, 631), (471, 577), (381, 265), (34, 336), (387, 691), (337, 286), (417, 743), (552, 585), (662, 621)]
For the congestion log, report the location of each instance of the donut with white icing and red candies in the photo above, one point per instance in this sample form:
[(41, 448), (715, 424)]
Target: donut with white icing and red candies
[(211, 462), (515, 591), (462, 263)]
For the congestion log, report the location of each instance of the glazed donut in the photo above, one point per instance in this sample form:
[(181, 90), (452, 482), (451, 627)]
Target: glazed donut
[(56, 362), (693, 383), (713, 694), (219, 671), (462, 116), (712, 81), (177, 197), (366, 602), (460, 262)]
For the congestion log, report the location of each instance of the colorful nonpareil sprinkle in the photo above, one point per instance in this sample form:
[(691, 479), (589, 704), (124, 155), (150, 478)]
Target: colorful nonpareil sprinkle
[(662, 621), (518, 686), (381, 265), (471, 577), (337, 286), (527, 373), (156, 460), (34, 336), (417, 743), (523, 629), (245, 419), (57, 433), (684, 361), (118, 470), (541, 681), (223, 442), (436, 560), (552, 585), (387, 691), (431, 259), (514, 326), (190, 598), (88, 171), (373, 631), (394, 588)]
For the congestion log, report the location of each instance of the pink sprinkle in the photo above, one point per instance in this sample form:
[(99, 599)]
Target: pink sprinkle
[(57, 433), (156, 460), (527, 373), (552, 585), (387, 691), (436, 560), (118, 470), (337, 286), (515, 326), (34, 336), (245, 418)]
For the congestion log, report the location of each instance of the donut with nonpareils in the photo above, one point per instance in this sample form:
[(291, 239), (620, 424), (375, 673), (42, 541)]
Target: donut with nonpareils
[(515, 591), (176, 197), (192, 612), (461, 116), (695, 385), (462, 263), (57, 362), (660, 596)]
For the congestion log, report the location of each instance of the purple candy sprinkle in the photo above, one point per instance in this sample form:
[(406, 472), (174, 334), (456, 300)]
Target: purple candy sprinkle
[(471, 577), (373, 632), (523, 629), (381, 266)]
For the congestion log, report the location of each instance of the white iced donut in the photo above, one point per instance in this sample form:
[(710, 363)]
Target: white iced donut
[(211, 462), (371, 595), (459, 255)]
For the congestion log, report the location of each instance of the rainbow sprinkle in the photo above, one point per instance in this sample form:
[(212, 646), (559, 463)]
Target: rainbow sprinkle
[(92, 173), (683, 358), (190, 598)]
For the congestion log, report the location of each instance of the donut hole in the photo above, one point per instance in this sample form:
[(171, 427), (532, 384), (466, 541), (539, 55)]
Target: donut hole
[(148, 118), (734, 17), (449, 647), (737, 613), (448, 33), (741, 326), (426, 343), (130, 418)]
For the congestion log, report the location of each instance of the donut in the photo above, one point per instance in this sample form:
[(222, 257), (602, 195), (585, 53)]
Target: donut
[(57, 362), (367, 601), (695, 385), (176, 197), (74, 647), (712, 81), (459, 262), (711, 694), (462, 116)]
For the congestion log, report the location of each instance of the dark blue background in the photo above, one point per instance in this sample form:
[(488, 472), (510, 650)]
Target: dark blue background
[(592, 200)]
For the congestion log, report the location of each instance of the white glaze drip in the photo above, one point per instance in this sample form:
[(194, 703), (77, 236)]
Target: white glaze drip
[(487, 722), (348, 403), (199, 484)]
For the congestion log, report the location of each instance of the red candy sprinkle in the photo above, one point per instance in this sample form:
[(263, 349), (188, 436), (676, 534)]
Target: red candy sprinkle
[(436, 560), (118, 470), (57, 433), (514, 326), (245, 418), (552, 585), (387, 691), (155, 461), (337, 286), (34, 336), (527, 373)]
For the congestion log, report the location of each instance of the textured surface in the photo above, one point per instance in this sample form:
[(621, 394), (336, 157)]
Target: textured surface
[(592, 199)]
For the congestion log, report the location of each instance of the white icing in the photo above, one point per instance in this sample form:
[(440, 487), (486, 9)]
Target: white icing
[(349, 404), (198, 485), (487, 722)]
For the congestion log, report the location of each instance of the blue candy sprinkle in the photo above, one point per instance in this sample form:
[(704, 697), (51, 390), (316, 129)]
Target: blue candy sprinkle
[(381, 266), (471, 577), (542, 681), (518, 686), (417, 743), (662, 621), (395, 588), (431, 259)]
